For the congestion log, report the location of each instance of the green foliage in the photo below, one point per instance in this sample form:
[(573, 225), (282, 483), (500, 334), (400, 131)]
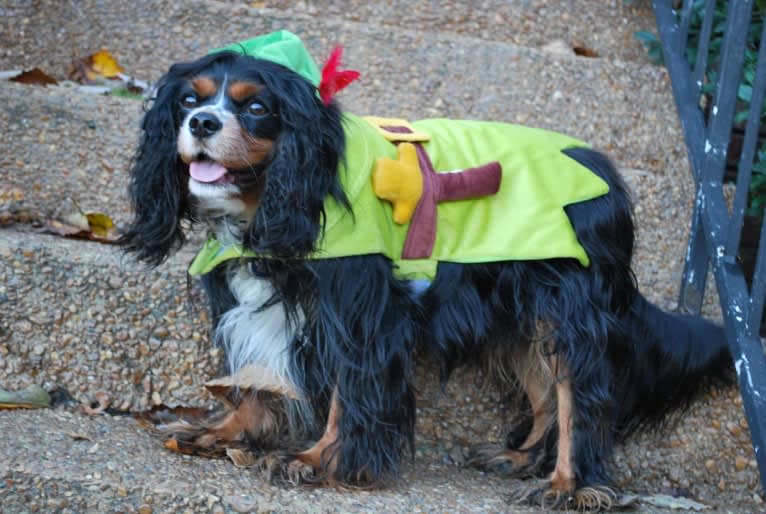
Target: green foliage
[(124, 92), (757, 191), (653, 46)]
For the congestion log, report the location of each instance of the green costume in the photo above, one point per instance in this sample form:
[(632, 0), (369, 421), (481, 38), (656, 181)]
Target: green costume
[(523, 220)]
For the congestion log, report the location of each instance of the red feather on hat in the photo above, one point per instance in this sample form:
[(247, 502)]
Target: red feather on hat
[(333, 78)]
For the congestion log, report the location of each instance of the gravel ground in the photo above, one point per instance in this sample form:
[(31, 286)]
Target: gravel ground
[(606, 28), (79, 315), (442, 75)]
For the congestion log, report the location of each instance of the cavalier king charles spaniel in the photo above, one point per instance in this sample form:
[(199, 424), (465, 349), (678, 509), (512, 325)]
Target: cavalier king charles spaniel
[(246, 147)]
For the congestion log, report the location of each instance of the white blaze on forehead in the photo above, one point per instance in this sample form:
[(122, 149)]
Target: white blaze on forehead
[(188, 145)]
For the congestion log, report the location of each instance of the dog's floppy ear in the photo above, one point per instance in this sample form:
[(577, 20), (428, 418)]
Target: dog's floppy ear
[(303, 169), (158, 190)]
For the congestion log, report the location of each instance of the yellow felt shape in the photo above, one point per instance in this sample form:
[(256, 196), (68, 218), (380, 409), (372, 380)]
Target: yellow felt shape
[(399, 181), (404, 131)]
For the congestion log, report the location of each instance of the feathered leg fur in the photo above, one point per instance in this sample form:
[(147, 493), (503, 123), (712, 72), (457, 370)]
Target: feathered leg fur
[(627, 363)]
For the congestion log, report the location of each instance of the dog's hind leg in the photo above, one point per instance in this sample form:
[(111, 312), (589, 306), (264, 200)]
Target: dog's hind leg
[(562, 479), (525, 459), (563, 488)]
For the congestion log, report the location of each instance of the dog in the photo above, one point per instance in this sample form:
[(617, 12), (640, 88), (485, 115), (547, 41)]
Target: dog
[(254, 147)]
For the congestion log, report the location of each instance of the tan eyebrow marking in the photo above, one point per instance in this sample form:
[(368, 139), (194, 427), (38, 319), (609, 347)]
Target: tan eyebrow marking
[(240, 90), (204, 86)]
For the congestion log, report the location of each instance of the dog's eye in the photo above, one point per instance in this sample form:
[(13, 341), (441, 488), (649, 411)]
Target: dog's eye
[(257, 109), (189, 100)]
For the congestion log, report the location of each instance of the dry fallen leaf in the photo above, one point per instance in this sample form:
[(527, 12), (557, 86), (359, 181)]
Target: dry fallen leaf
[(223, 431), (100, 224), (76, 220), (35, 76), (105, 64), (33, 397), (94, 226), (251, 377), (584, 51), (95, 67)]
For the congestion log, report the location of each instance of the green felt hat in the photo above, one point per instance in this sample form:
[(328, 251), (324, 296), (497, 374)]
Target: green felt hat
[(282, 47)]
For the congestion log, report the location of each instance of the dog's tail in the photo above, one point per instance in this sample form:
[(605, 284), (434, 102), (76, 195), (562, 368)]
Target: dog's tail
[(673, 357)]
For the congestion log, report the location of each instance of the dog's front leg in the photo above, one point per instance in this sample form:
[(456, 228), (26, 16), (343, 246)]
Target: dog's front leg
[(322, 458), (363, 332)]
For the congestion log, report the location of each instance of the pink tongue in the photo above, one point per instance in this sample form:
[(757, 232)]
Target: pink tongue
[(206, 171)]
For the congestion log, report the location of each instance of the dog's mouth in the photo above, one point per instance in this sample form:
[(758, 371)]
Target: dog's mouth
[(208, 171)]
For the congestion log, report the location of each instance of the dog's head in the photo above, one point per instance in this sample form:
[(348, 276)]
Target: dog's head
[(239, 141)]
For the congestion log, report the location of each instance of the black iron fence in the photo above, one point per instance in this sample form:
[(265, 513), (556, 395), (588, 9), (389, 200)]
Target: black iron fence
[(717, 64)]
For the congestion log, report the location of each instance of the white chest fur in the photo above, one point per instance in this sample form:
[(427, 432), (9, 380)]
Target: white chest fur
[(254, 332)]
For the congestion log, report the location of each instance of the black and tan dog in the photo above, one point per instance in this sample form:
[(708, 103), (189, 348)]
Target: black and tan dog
[(250, 143)]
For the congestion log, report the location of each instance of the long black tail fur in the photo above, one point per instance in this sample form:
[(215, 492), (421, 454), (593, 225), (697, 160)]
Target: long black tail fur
[(673, 355), (659, 359)]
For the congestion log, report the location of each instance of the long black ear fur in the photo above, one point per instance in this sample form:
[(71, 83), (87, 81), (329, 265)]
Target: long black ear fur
[(303, 170), (157, 189)]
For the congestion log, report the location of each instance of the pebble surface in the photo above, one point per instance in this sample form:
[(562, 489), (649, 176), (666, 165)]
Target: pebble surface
[(80, 316)]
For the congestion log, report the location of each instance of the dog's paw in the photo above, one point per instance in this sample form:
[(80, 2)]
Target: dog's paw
[(548, 495), (273, 464), (298, 472), (510, 463), (289, 469), (539, 493)]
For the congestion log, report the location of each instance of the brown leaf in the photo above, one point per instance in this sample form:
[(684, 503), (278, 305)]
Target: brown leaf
[(101, 65), (251, 377), (35, 76), (33, 397), (584, 51), (94, 226), (241, 458)]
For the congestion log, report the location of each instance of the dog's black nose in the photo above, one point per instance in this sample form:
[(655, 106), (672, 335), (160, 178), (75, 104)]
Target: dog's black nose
[(204, 124)]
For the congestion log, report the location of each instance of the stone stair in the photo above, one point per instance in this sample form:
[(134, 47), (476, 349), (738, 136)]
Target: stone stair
[(81, 316)]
